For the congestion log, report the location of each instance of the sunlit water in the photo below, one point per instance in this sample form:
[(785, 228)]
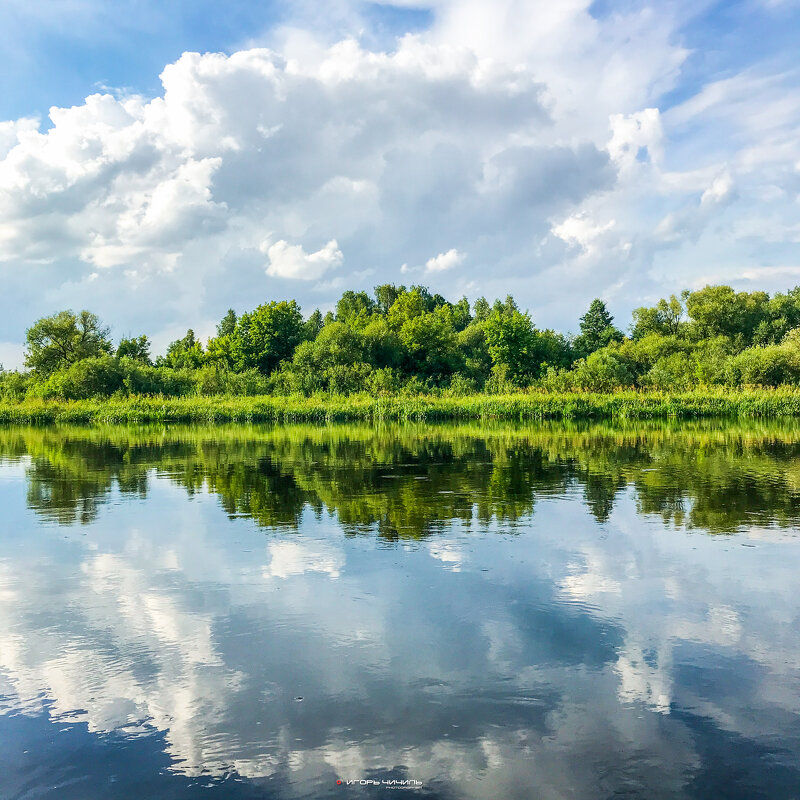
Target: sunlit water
[(479, 612)]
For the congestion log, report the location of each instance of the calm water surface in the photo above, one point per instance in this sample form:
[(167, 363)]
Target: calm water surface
[(488, 612)]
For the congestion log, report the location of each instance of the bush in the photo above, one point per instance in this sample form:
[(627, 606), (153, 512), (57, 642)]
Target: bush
[(90, 377), (384, 381), (104, 376), (772, 365), (414, 385), (675, 371), (144, 379), (213, 380), (499, 381), (557, 380), (13, 385), (347, 378), (603, 371), (461, 386)]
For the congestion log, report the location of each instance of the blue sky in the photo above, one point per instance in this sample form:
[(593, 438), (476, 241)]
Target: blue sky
[(559, 151), (68, 49)]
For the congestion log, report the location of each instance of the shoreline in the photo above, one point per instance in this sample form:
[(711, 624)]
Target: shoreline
[(521, 406)]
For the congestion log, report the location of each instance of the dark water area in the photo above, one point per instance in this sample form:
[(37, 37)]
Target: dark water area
[(469, 611)]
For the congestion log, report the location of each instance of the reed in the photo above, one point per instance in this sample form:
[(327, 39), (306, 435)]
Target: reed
[(695, 404)]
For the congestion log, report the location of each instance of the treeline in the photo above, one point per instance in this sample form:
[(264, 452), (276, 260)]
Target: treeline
[(409, 340)]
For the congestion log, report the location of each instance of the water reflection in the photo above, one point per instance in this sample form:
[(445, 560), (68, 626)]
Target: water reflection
[(406, 481), (503, 612)]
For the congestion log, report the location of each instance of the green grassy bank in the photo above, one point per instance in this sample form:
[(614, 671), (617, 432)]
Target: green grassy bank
[(750, 403)]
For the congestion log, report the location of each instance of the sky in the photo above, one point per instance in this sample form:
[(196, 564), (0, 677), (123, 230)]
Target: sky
[(163, 161)]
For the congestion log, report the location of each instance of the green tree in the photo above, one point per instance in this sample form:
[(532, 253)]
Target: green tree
[(512, 344), (337, 344), (430, 301), (219, 350), (720, 311), (266, 337), (386, 294), (354, 308), (185, 353), (62, 339), (782, 316), (137, 348), (313, 325), (460, 314), (510, 305), (482, 309), (382, 345), (430, 343), (407, 306), (664, 318), (550, 349), (597, 329), (603, 371), (227, 324), (477, 360)]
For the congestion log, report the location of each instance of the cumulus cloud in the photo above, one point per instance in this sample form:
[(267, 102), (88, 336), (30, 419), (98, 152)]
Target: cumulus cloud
[(444, 261), (632, 134), (291, 261), (514, 134), (579, 229)]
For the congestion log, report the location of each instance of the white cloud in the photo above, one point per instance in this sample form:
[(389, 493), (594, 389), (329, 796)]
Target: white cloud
[(291, 261), (579, 229), (514, 132), (632, 133), (720, 190), (444, 261)]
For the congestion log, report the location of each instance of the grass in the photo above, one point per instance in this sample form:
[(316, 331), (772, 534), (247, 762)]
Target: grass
[(521, 406)]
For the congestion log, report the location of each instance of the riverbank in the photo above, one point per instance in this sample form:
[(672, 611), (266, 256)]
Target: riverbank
[(751, 403)]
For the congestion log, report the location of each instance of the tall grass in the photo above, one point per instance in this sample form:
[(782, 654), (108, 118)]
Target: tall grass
[(747, 403)]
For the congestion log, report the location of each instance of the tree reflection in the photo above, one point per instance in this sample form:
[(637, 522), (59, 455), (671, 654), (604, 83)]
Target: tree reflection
[(409, 481)]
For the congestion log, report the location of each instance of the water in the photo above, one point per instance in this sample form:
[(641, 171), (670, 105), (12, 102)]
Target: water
[(481, 612)]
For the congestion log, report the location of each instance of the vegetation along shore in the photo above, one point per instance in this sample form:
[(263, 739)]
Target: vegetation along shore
[(533, 405), (406, 354)]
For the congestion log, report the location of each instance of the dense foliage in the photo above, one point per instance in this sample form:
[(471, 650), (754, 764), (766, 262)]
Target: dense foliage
[(409, 341)]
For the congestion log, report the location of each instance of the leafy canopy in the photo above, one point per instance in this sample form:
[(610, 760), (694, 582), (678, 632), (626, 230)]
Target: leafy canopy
[(62, 339)]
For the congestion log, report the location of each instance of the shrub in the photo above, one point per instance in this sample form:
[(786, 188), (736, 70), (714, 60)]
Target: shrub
[(13, 385), (675, 371), (90, 377), (557, 380), (772, 365), (603, 371), (461, 386), (384, 381)]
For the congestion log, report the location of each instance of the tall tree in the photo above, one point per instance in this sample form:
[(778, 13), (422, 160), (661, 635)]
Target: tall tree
[(313, 325), (267, 336), (597, 329), (720, 311), (64, 338), (511, 341), (354, 308), (482, 309), (137, 348), (185, 353), (386, 294), (664, 318), (227, 324)]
